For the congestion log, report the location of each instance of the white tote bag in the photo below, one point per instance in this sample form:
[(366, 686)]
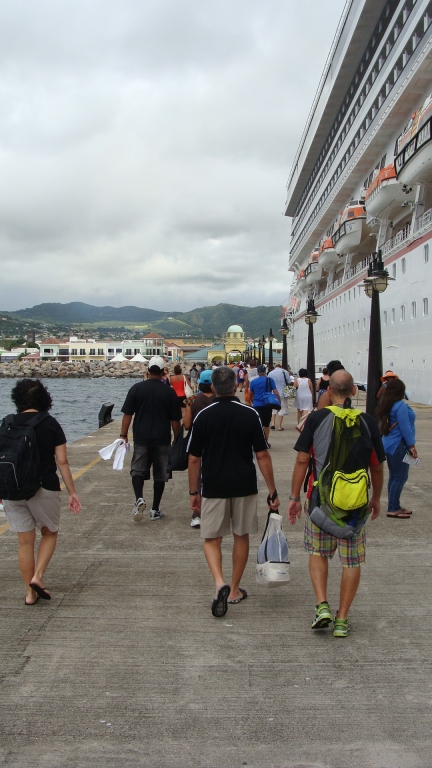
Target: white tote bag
[(188, 389)]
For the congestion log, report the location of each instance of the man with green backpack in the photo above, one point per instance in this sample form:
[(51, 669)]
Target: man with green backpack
[(338, 450)]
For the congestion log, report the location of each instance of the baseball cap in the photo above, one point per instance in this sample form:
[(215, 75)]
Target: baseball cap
[(205, 377), (261, 369), (156, 362)]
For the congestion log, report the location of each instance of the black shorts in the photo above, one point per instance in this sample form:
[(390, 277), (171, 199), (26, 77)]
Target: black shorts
[(181, 401), (146, 456), (265, 414)]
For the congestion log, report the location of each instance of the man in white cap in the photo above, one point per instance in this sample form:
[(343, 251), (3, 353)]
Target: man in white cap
[(156, 410)]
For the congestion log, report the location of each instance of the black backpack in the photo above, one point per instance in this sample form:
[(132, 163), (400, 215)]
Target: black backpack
[(20, 465)]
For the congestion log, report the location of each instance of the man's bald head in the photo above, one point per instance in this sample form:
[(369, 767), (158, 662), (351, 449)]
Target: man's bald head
[(341, 384)]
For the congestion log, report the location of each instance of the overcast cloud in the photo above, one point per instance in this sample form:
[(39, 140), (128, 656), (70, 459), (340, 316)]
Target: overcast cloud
[(145, 147)]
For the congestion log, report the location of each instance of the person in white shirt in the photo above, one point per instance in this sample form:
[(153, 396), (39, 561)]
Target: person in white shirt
[(281, 378)]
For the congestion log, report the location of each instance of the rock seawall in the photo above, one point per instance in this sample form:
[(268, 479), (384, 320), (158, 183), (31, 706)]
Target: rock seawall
[(74, 370)]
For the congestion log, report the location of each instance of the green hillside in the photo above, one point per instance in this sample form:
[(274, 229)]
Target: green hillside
[(206, 321)]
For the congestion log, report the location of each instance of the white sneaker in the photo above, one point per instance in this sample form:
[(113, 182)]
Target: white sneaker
[(196, 522), (138, 510), (156, 514)]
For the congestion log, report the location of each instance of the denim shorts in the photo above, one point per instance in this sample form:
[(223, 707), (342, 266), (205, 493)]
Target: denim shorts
[(147, 456)]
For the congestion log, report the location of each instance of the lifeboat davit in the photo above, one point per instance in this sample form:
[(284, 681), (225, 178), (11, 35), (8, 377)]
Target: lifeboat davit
[(327, 255), (385, 194), (349, 234), (313, 271), (413, 160), (301, 283)]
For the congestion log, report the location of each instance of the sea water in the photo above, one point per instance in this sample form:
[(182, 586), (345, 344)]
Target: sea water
[(76, 402)]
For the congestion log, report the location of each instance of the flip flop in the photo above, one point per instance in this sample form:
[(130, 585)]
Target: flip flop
[(399, 515), (26, 603), (281, 429), (40, 591), (272, 427), (408, 511), (239, 599), (219, 605)]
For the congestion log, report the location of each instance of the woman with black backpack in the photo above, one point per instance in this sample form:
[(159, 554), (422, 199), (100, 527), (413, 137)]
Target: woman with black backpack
[(32, 446)]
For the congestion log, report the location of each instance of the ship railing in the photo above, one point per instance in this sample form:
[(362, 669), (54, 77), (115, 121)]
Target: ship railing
[(422, 223)]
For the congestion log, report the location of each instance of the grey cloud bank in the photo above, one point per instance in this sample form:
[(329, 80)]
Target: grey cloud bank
[(145, 147)]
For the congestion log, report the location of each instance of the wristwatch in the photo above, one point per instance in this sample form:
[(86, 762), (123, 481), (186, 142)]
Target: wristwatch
[(294, 498), (193, 493)]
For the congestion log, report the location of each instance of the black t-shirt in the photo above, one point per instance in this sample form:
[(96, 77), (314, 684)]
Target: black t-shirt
[(317, 433), (154, 405), (225, 436), (49, 435)]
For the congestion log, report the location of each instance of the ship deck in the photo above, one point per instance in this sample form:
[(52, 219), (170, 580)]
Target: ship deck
[(125, 666)]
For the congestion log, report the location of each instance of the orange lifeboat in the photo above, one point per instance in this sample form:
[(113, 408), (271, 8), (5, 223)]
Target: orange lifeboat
[(384, 195), (301, 282), (313, 271), (327, 255), (349, 234)]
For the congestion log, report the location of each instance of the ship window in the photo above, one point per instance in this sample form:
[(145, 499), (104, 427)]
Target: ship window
[(393, 315), (413, 310), (349, 295), (344, 298), (339, 330), (340, 300), (394, 270), (403, 265), (358, 325), (348, 328), (364, 323), (385, 318), (426, 253), (425, 307), (402, 313)]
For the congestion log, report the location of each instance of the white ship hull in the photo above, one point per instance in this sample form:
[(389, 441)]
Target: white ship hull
[(342, 330)]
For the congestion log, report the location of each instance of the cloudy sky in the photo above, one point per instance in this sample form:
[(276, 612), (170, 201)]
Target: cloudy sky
[(145, 147)]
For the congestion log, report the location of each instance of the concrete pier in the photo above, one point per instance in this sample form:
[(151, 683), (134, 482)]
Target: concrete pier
[(126, 668)]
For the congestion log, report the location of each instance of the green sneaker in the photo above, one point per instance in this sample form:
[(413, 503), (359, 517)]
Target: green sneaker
[(323, 616), (340, 627)]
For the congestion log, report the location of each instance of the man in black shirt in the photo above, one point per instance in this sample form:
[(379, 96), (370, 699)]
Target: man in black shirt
[(223, 440), (368, 454), (156, 410)]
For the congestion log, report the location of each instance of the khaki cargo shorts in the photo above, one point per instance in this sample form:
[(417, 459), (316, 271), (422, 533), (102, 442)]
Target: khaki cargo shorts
[(219, 516)]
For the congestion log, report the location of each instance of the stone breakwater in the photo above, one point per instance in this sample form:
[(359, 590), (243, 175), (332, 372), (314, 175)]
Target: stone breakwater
[(73, 370)]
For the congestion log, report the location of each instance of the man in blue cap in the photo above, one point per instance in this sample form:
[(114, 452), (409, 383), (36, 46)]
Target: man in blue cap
[(194, 405)]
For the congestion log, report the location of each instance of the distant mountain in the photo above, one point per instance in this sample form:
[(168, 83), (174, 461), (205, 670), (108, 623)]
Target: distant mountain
[(206, 321)]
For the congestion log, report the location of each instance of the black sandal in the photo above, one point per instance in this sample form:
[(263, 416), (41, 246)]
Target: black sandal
[(220, 603)]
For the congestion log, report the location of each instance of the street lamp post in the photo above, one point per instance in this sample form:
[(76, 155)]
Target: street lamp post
[(284, 332), (375, 283), (310, 319), (263, 360), (259, 352), (271, 340)]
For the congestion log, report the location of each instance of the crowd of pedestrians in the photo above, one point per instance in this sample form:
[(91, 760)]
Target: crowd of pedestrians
[(227, 444)]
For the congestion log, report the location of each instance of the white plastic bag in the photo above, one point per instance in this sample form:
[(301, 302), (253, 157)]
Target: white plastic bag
[(272, 568)]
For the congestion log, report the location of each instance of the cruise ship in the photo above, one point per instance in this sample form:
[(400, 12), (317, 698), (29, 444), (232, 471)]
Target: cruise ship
[(361, 183)]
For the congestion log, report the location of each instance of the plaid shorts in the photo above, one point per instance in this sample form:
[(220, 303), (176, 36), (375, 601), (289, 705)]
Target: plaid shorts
[(316, 542)]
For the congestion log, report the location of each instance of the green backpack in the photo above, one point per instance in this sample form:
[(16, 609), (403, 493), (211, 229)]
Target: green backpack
[(342, 490)]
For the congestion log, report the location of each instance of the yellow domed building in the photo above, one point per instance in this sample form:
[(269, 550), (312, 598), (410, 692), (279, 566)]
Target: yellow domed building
[(234, 341)]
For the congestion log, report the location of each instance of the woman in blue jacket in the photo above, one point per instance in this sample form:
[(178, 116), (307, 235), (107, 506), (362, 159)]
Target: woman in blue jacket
[(396, 419)]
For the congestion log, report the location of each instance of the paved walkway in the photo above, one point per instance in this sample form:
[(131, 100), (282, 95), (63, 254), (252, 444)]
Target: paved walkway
[(126, 668)]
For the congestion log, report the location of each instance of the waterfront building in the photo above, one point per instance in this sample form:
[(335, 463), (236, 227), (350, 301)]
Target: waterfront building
[(151, 344), (361, 182), (86, 350)]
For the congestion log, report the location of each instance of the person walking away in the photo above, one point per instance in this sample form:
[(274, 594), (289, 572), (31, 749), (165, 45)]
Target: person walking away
[(177, 382), (324, 399), (303, 400), (165, 378), (223, 440), (241, 377), (193, 406), (258, 386), (322, 383), (156, 410), (397, 423), (193, 376), (369, 454), (282, 379), (42, 510), (250, 374)]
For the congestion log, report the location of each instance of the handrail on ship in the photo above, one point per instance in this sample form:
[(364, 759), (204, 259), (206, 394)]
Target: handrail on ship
[(409, 232)]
